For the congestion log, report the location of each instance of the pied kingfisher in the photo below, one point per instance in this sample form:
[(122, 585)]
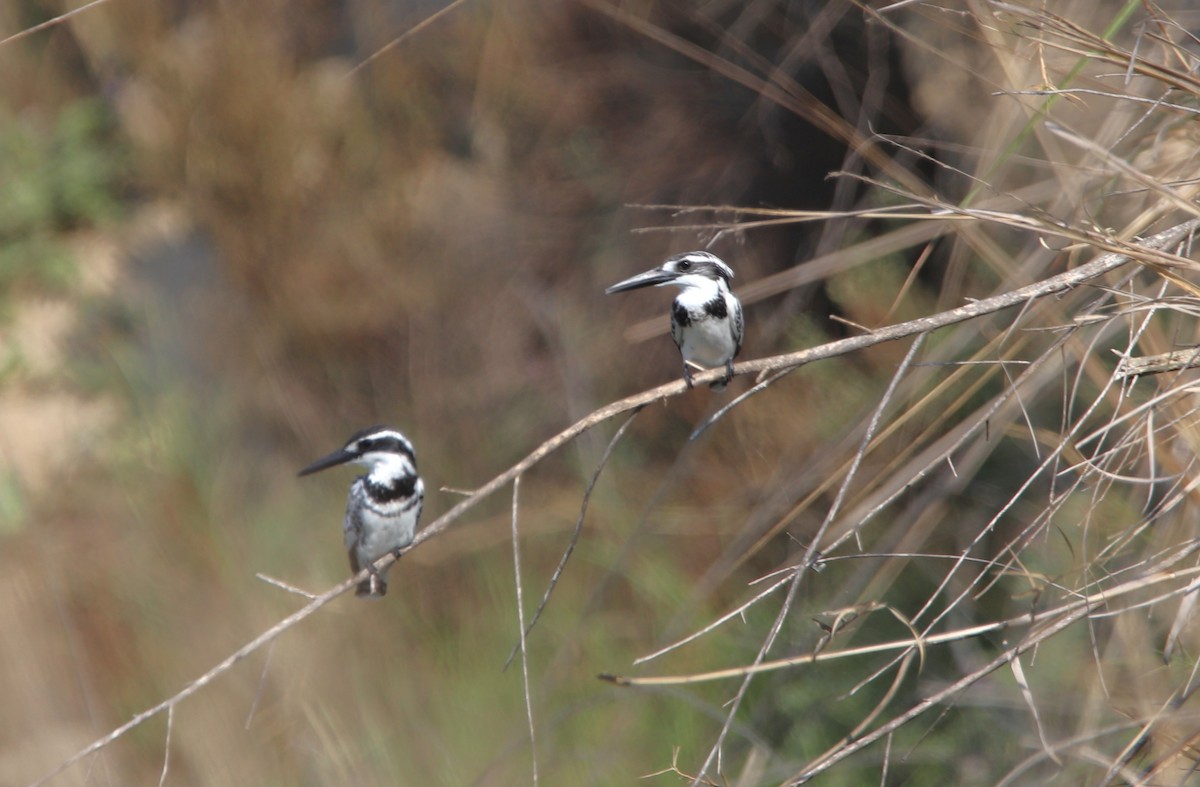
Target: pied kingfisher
[(384, 504), (706, 318)]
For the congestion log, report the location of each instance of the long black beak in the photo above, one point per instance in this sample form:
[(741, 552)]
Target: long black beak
[(647, 279), (338, 457)]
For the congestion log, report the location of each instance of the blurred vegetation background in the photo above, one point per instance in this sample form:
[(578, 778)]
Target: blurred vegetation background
[(231, 234)]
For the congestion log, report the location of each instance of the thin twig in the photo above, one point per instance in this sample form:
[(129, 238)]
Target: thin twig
[(208, 677), (864, 444), (887, 757), (1027, 694), (562, 563), (279, 583), (51, 22), (1051, 286), (714, 753), (1154, 102), (162, 777), (1080, 601), (1181, 201), (262, 685), (935, 699), (811, 552), (395, 42), (516, 542), (1068, 439), (737, 612), (758, 387)]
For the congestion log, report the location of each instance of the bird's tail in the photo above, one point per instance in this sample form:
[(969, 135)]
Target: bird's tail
[(371, 587)]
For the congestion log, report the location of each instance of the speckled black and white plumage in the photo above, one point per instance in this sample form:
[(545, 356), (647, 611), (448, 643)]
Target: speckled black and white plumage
[(384, 505), (706, 318)]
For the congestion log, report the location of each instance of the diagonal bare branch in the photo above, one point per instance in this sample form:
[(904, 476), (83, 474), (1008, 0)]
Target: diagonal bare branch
[(1119, 255)]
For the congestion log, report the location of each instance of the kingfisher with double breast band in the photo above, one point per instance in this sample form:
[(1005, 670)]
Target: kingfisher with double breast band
[(384, 505), (706, 317)]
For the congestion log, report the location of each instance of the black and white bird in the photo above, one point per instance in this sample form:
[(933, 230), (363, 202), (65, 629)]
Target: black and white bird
[(384, 504), (706, 318)]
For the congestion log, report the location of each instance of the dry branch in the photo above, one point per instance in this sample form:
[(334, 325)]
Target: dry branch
[(779, 363), (1032, 620), (1188, 358), (811, 553), (1071, 614)]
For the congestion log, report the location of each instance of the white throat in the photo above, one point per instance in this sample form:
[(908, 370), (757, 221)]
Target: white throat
[(698, 291), (386, 467), (702, 286)]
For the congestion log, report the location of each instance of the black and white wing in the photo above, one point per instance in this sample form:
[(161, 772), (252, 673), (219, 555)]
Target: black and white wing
[(352, 528), (737, 322), (680, 319)]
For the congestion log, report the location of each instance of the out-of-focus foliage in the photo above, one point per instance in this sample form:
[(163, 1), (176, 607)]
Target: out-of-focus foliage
[(59, 171)]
